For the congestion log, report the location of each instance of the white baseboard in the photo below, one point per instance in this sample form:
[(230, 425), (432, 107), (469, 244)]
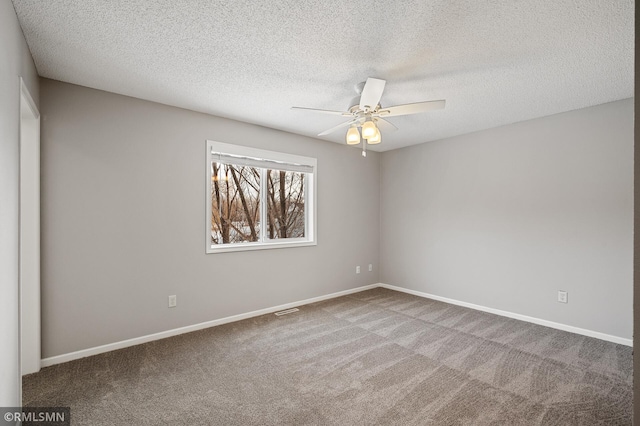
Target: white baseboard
[(551, 324), (59, 359)]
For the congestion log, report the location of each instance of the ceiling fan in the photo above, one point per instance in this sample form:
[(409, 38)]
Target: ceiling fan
[(365, 112)]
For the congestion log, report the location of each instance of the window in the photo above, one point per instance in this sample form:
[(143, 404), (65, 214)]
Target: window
[(258, 199)]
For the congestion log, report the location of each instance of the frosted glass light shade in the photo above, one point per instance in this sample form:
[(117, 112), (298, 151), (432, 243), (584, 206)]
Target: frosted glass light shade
[(353, 136), (375, 139), (368, 129)]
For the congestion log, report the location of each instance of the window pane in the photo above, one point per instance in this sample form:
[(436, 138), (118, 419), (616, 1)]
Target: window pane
[(235, 204), (285, 204)]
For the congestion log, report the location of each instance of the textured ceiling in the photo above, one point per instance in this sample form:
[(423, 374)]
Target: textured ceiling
[(494, 61)]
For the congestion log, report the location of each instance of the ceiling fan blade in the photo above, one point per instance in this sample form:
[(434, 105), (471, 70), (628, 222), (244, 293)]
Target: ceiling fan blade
[(324, 111), (411, 108), (384, 125), (371, 93), (338, 127)]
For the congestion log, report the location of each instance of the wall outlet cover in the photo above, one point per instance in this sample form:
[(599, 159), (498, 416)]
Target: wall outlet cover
[(563, 296)]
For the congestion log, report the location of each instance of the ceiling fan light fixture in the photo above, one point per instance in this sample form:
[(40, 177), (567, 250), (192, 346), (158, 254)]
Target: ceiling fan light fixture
[(369, 129), (353, 136), (365, 111), (375, 139)]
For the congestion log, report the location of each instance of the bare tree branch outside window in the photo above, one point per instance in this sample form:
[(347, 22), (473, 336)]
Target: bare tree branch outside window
[(285, 204), (235, 204)]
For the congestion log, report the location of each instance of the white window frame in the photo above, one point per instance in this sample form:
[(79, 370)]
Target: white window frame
[(258, 156)]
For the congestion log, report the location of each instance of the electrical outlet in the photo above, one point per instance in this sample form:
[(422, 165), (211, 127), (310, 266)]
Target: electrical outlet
[(370, 267), (357, 269), (563, 296), (173, 301)]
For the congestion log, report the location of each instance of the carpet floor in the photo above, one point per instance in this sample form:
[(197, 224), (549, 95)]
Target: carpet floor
[(376, 357)]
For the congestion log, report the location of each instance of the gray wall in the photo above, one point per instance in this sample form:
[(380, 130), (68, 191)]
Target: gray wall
[(123, 217), (15, 61), (506, 217)]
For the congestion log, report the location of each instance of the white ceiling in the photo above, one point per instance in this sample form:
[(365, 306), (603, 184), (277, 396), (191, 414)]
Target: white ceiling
[(494, 61)]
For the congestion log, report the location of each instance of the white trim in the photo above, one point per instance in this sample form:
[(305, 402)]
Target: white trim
[(271, 244), (551, 324), (24, 90), (46, 362), (29, 346)]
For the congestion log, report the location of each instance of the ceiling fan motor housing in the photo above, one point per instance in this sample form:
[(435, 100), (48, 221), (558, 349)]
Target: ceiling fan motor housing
[(354, 104)]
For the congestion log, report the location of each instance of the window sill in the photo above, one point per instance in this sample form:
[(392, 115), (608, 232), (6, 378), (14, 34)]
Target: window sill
[(258, 246)]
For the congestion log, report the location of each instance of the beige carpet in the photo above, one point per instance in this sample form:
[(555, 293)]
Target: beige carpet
[(375, 357)]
